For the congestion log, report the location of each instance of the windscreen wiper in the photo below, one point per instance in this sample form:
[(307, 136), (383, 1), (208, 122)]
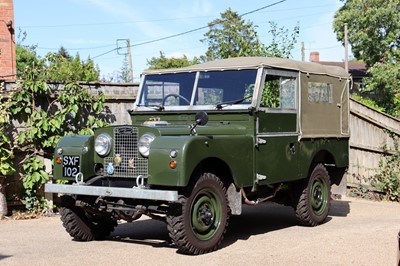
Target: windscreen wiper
[(221, 105), (157, 107)]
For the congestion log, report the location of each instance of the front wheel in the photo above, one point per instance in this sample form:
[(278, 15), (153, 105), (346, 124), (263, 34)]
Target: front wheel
[(313, 204), (199, 226), (83, 227)]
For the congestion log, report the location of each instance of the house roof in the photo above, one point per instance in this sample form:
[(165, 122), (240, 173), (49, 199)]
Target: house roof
[(355, 68)]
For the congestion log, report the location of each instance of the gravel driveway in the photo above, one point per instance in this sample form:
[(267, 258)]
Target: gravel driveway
[(357, 233)]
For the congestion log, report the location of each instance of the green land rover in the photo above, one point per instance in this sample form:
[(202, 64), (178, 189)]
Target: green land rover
[(206, 139)]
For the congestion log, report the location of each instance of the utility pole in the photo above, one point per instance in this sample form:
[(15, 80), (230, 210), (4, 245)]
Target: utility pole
[(346, 49), (128, 44), (303, 55), (128, 54)]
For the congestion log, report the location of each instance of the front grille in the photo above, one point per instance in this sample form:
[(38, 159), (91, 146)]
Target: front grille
[(126, 147)]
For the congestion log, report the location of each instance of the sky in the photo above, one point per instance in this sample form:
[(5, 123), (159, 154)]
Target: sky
[(96, 28)]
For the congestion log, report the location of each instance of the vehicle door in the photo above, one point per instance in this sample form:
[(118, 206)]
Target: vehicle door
[(277, 129)]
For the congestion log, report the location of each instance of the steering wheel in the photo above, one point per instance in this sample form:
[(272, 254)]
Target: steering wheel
[(174, 95)]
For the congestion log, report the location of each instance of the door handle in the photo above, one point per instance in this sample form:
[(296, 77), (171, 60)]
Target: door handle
[(292, 148)]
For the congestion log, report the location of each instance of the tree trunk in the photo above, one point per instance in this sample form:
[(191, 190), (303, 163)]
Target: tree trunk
[(3, 200)]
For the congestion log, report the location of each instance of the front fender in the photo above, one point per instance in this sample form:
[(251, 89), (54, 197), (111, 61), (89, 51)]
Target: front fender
[(236, 151), (74, 145)]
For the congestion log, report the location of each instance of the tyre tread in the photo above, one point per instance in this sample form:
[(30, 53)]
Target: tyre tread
[(176, 225)]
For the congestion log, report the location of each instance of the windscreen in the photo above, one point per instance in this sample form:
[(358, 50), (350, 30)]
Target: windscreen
[(167, 89), (211, 88)]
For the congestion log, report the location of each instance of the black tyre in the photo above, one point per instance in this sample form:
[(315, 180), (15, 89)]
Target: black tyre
[(81, 228), (198, 224), (314, 201)]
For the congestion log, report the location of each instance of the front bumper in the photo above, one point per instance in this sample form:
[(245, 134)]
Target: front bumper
[(115, 192)]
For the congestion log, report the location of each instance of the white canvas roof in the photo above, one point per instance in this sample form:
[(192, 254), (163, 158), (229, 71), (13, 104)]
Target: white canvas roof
[(256, 62)]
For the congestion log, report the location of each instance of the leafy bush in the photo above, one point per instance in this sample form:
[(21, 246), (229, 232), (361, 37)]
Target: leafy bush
[(48, 114), (388, 178)]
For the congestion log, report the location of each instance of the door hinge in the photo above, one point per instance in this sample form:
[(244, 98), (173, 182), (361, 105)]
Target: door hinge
[(261, 141), (261, 177)]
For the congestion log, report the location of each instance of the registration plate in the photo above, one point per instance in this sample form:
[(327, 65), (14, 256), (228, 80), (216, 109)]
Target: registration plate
[(70, 166)]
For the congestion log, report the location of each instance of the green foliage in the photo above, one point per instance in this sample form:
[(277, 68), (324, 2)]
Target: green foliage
[(388, 177), (367, 101), (373, 29), (384, 84), (26, 56), (50, 112), (374, 35), (232, 36), (34, 176), (68, 69), (6, 150), (59, 66), (282, 42), (124, 74), (270, 94), (163, 62)]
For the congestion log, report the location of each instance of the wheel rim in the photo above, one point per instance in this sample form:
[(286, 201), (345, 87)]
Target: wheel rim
[(206, 214), (319, 196)]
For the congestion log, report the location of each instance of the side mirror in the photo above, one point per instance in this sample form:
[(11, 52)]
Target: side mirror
[(201, 119)]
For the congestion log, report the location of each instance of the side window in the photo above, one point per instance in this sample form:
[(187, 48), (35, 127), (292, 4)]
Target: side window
[(279, 92), (319, 92)]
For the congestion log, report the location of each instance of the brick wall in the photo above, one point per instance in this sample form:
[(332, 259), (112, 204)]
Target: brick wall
[(7, 41)]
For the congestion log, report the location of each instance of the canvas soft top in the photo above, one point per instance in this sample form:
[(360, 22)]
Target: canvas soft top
[(256, 62)]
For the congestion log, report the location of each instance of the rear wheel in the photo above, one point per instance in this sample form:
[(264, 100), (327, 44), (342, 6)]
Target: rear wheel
[(198, 224), (314, 201)]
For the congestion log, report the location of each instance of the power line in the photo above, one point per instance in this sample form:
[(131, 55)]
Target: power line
[(156, 20), (189, 31), (111, 23), (104, 53), (74, 49), (204, 27)]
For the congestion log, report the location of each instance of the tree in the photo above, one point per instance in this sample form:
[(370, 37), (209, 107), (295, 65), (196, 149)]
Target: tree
[(374, 35), (67, 69), (124, 73), (282, 42), (373, 29), (231, 36), (384, 86), (163, 62), (25, 57), (64, 53)]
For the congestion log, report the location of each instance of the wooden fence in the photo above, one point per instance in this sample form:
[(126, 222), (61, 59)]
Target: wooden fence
[(369, 141)]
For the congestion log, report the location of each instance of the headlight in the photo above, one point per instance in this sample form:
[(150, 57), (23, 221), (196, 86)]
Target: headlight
[(144, 144), (102, 144)]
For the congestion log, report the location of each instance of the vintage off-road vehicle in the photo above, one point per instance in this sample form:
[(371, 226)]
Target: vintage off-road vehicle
[(206, 139)]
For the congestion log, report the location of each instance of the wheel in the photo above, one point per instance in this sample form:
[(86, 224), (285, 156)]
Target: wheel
[(84, 228), (314, 201), (174, 95), (198, 224)]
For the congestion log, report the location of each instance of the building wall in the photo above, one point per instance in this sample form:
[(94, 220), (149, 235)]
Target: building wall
[(7, 41)]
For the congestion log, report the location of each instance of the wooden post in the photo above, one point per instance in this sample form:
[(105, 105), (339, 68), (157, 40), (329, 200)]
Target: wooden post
[(346, 49)]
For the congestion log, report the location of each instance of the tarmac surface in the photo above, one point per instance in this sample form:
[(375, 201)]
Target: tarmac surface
[(357, 232)]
